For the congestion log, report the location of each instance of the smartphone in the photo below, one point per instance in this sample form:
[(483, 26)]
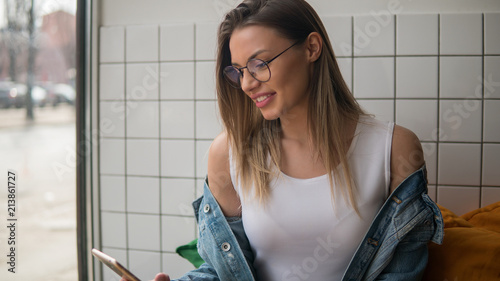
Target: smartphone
[(114, 265)]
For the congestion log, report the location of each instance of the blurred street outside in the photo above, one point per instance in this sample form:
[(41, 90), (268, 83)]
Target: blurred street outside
[(42, 153)]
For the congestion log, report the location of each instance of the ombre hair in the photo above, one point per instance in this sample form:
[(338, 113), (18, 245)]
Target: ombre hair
[(255, 141)]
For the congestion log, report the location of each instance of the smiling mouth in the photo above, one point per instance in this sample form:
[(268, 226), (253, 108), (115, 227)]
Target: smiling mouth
[(261, 98)]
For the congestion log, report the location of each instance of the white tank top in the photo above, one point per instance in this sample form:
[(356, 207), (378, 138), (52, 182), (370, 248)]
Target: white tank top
[(298, 234)]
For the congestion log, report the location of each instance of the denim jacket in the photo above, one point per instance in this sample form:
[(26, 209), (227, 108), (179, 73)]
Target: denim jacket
[(394, 248)]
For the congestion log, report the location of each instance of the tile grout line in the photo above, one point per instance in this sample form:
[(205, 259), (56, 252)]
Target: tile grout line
[(195, 95), (125, 147), (338, 57), (437, 178), (482, 114), (159, 149), (99, 174), (395, 69), (352, 56)]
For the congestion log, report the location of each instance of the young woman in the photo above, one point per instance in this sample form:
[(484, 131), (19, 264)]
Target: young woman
[(302, 184)]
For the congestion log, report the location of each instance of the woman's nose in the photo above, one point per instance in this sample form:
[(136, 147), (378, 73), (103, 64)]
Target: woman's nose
[(248, 82)]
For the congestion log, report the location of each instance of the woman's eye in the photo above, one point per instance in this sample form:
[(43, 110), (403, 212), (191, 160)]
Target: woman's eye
[(260, 65)]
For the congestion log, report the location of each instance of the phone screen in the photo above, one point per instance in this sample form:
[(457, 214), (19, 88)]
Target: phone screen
[(114, 265)]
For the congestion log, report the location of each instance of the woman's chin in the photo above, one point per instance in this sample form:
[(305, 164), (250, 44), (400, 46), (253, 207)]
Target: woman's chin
[(269, 115)]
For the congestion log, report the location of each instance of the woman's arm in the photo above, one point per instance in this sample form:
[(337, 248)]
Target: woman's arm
[(406, 155), (410, 256), (219, 177)]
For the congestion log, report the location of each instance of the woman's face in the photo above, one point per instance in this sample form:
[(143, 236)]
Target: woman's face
[(285, 94)]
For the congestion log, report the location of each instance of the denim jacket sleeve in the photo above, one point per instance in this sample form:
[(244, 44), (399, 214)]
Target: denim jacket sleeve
[(395, 246), (222, 244)]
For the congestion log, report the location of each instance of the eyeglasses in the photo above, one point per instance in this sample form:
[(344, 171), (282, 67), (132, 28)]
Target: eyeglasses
[(259, 69)]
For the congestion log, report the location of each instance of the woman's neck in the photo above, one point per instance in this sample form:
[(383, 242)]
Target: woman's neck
[(295, 127)]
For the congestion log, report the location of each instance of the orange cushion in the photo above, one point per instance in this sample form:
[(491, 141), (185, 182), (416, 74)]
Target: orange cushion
[(487, 217), (470, 249)]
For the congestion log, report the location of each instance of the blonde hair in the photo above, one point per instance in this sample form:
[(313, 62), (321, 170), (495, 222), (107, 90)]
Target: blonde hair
[(254, 140)]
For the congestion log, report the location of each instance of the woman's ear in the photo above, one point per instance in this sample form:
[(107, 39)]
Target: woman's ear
[(314, 44)]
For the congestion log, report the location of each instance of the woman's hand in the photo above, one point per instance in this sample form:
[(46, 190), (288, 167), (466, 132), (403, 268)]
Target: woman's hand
[(158, 277), (162, 277)]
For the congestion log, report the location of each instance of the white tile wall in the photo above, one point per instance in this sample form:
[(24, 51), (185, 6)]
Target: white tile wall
[(339, 31), (142, 119), (206, 40), (143, 81), (202, 148), (492, 121), (143, 157), (491, 81), (177, 158), (459, 76), (345, 65), (461, 34), (112, 158), (177, 196), (157, 117), (459, 199), (460, 120), (430, 156), (374, 77), (489, 195), (112, 193), (374, 35), (177, 119), (409, 115), (382, 109), (143, 232), (112, 82), (112, 44), (417, 34), (174, 266), (176, 231), (177, 42), (207, 121), (205, 80), (425, 68), (177, 80), (491, 38), (432, 191), (142, 263), (459, 164), (141, 43), (142, 195), (113, 230), (491, 164), (112, 118)]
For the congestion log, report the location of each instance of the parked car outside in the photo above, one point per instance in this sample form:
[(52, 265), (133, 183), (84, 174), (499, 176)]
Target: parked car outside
[(38, 95), (12, 94), (7, 97), (64, 93)]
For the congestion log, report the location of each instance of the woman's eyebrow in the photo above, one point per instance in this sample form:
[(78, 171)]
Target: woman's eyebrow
[(252, 56)]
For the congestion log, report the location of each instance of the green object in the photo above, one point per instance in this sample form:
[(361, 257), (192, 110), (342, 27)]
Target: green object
[(190, 252)]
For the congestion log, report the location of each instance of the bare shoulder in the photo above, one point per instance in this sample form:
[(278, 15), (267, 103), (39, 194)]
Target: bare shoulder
[(219, 176), (406, 155)]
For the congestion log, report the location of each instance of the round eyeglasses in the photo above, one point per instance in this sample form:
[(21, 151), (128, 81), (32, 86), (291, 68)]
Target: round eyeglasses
[(259, 69)]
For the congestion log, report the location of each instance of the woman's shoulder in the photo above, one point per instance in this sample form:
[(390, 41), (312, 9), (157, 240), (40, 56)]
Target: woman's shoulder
[(218, 157), (219, 176), (220, 146), (406, 155)]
